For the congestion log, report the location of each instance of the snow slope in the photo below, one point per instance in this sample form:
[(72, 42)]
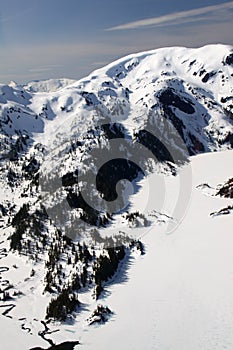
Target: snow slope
[(48, 85), (179, 294)]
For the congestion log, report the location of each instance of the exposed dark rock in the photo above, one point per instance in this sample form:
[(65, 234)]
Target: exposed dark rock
[(207, 76), (111, 173), (225, 99), (3, 210), (69, 345), (229, 111), (226, 190), (106, 266), (229, 138), (114, 130), (177, 122), (225, 211), (62, 306), (30, 168), (169, 98), (229, 59), (70, 179), (90, 98), (157, 147), (197, 147), (192, 63), (90, 215), (100, 316), (202, 71)]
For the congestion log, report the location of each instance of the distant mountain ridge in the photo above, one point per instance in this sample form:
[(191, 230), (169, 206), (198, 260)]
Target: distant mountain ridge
[(49, 85), (190, 86)]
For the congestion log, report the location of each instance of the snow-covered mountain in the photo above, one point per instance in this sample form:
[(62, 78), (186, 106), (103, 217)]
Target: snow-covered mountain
[(48, 85), (70, 223)]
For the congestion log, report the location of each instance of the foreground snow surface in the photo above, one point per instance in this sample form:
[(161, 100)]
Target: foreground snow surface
[(179, 295)]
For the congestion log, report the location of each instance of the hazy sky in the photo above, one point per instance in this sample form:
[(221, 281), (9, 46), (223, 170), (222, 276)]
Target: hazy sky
[(42, 39)]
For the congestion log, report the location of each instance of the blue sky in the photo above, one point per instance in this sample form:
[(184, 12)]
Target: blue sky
[(70, 38)]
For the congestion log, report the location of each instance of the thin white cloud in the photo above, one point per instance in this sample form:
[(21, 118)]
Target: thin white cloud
[(42, 69), (174, 18), (77, 60)]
